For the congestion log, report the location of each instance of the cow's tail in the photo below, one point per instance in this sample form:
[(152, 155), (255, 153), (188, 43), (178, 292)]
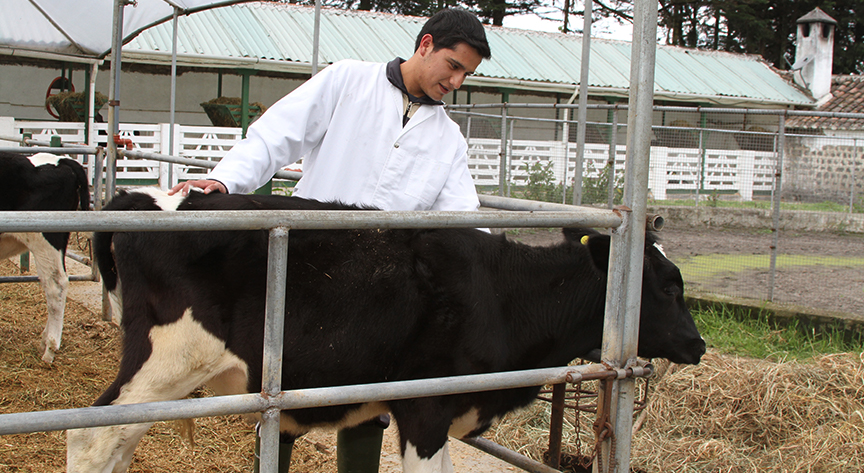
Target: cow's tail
[(104, 256), (82, 184)]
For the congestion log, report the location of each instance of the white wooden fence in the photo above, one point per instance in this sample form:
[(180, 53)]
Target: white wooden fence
[(672, 170)]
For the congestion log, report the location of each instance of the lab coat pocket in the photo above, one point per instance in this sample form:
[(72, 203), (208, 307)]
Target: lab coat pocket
[(426, 179)]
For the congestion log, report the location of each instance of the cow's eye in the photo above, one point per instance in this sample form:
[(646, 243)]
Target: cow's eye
[(671, 290)]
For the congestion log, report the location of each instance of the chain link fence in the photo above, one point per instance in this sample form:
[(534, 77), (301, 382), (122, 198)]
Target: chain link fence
[(758, 167)]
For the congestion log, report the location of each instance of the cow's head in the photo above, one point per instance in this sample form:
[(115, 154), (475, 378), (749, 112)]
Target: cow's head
[(666, 328)]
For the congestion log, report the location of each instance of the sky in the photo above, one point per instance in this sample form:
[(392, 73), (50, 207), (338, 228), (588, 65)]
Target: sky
[(606, 28)]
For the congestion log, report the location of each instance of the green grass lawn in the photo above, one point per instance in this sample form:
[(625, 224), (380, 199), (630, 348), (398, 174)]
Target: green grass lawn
[(754, 335)]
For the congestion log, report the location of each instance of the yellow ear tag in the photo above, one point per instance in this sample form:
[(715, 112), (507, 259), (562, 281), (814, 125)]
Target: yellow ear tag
[(584, 240)]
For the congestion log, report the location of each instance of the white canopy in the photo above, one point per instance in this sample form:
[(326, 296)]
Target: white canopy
[(82, 29)]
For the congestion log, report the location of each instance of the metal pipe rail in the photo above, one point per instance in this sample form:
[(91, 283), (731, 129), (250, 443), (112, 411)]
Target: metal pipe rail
[(63, 419), (663, 108), (47, 149), (203, 163), (119, 221)]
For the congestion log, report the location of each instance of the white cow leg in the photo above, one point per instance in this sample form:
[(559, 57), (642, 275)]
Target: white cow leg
[(183, 357), (102, 449), (55, 283), (440, 462)]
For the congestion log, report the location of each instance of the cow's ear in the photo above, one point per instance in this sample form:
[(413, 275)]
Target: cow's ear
[(598, 248)]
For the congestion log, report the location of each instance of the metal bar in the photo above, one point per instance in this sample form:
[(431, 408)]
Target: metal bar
[(502, 164), (775, 214), (669, 108), (274, 323), (624, 286), (613, 157), (172, 106), (72, 221), (62, 419), (203, 163), (509, 456), (556, 425), (582, 116), (316, 34), (48, 149)]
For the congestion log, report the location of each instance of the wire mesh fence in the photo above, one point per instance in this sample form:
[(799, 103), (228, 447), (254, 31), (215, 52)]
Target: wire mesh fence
[(758, 166)]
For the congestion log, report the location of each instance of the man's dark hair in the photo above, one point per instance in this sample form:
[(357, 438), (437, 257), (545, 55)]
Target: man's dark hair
[(452, 26)]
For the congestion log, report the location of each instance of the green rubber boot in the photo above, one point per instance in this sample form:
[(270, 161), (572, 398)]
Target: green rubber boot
[(358, 449), (286, 445)]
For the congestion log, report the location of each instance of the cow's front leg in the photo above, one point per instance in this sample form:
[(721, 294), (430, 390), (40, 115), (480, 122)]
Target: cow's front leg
[(423, 426)]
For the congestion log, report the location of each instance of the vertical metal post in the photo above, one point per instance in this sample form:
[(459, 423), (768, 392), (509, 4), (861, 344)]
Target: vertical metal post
[(510, 154), (502, 161), (775, 204), (583, 104), (854, 172), (274, 325), (624, 286), (171, 150), (114, 97), (613, 155), (316, 33), (556, 425)]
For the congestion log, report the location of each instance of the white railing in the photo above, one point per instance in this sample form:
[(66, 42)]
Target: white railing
[(671, 169)]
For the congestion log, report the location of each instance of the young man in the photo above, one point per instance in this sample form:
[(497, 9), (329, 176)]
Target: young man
[(369, 134)]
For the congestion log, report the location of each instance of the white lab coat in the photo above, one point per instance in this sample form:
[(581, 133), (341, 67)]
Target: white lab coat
[(346, 124)]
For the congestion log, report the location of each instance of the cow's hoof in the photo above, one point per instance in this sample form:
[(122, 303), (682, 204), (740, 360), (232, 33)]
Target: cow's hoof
[(48, 356), (48, 349)]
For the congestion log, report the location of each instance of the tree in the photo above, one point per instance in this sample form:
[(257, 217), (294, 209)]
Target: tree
[(489, 11), (764, 27)]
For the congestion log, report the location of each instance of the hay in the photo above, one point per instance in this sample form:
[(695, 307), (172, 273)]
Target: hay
[(84, 367), (68, 104), (219, 110), (733, 414)]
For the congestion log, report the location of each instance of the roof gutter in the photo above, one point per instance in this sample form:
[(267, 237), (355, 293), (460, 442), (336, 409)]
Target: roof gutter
[(49, 56)]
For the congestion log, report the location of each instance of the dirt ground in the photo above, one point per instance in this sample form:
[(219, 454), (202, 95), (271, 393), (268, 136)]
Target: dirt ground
[(835, 286)]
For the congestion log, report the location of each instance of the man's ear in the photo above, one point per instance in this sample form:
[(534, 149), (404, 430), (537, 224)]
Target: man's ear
[(426, 44)]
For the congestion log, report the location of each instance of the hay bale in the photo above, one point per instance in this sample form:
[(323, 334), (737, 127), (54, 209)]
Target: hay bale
[(225, 111), (733, 414), (71, 106)]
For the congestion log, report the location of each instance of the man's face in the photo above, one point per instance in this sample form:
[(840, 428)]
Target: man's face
[(444, 70)]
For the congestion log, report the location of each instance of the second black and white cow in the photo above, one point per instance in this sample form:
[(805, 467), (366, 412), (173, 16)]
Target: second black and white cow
[(362, 306), (43, 182)]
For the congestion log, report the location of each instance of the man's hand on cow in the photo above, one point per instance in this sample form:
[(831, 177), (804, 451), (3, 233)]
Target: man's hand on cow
[(206, 185)]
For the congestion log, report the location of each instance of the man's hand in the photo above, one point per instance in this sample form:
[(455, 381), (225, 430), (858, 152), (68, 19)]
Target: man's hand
[(207, 185)]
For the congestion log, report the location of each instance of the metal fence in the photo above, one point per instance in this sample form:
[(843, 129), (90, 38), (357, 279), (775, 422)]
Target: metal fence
[(766, 163), (619, 331)]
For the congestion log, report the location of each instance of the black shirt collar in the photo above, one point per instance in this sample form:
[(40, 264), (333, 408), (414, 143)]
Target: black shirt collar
[(394, 75)]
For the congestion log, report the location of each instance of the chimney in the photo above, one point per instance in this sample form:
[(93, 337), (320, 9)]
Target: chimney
[(814, 53)]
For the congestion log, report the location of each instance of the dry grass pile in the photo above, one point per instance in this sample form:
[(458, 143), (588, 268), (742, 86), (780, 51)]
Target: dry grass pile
[(84, 367), (732, 414), (736, 414)]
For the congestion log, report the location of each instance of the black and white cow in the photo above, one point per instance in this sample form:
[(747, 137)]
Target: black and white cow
[(363, 306), (43, 182)]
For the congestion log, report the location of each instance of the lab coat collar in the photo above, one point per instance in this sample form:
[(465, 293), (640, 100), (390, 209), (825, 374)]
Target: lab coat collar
[(394, 75)]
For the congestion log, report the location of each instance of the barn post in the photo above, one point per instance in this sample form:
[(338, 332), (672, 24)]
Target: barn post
[(624, 287), (274, 324)]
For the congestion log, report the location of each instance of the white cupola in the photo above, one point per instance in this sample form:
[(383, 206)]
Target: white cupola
[(814, 53)]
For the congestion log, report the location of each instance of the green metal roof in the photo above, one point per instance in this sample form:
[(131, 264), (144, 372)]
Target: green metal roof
[(278, 37)]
